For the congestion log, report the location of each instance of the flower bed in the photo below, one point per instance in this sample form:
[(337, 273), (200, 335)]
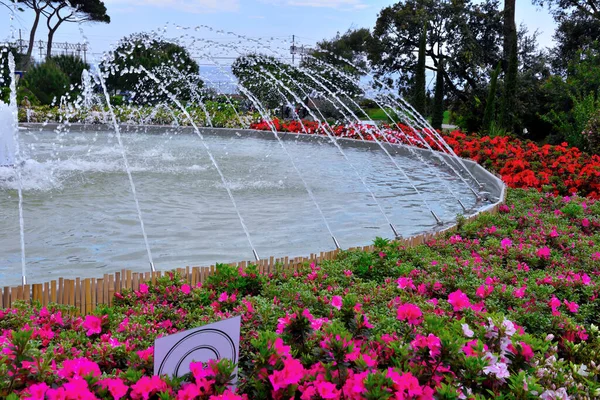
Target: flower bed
[(522, 164), (504, 307)]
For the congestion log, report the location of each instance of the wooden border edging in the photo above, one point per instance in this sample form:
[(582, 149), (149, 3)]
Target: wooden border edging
[(87, 294)]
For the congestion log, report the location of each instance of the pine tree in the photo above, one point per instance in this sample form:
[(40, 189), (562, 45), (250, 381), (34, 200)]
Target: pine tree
[(419, 96), (490, 105)]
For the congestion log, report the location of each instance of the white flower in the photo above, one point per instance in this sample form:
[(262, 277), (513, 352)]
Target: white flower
[(583, 370), (509, 327), (467, 331), (499, 369)]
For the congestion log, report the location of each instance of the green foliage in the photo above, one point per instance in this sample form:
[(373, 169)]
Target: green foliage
[(571, 123), (47, 82), (591, 133), (72, 66), (490, 105), (246, 282)]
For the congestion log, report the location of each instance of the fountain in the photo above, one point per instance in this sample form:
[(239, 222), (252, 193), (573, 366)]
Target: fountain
[(169, 184), (8, 124)]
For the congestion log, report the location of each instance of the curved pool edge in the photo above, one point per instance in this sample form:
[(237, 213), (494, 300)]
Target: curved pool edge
[(86, 294)]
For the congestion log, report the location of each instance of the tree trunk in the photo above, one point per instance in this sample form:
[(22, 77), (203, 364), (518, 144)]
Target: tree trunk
[(34, 27), (419, 96), (511, 65), (437, 117), (51, 33)]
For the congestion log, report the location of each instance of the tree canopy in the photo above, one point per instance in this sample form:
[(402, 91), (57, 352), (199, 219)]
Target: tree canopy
[(168, 61)]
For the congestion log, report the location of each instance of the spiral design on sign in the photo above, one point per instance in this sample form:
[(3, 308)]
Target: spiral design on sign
[(221, 346)]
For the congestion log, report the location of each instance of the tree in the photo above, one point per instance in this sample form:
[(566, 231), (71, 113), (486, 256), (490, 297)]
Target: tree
[(260, 74), (437, 115), (38, 7), (171, 64), (419, 92), (463, 33), (510, 64), (78, 11), (347, 53)]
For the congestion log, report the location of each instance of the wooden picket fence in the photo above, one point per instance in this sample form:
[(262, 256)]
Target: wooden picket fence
[(84, 295)]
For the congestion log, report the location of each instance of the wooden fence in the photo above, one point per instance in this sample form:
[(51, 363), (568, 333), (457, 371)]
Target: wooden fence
[(86, 294)]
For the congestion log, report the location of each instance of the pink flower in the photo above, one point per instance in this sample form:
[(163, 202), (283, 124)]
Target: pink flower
[(115, 387), (37, 392), (520, 293), (459, 300), (143, 288), (291, 374), (81, 367), (228, 395), (410, 313), (188, 392), (146, 387), (585, 222), (571, 305), (336, 302), (327, 390), (223, 297), (431, 342), (554, 305), (498, 369), (543, 252), (185, 289), (145, 354), (93, 325), (506, 243), (467, 331), (404, 283)]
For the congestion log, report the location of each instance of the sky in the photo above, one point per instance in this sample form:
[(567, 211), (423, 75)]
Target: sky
[(309, 20)]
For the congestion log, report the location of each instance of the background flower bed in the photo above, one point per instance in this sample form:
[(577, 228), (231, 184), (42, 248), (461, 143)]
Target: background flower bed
[(558, 169), (504, 307)]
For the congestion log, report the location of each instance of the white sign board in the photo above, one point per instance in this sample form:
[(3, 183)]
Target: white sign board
[(174, 353)]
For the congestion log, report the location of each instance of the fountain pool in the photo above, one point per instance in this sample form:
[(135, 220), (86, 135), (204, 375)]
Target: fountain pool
[(80, 218)]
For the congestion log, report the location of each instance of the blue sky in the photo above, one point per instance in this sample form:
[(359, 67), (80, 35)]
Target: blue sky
[(309, 20)]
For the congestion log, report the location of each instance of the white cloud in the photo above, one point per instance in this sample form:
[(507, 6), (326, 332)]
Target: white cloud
[(338, 4), (191, 6)]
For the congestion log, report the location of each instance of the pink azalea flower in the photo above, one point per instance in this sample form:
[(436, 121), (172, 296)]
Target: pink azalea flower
[(572, 306), (145, 354), (327, 390), (189, 392), (544, 253), (336, 302), (459, 300), (185, 289), (223, 297), (404, 283), (410, 313), (554, 305), (506, 243), (146, 387), (93, 325), (143, 288), (467, 331), (115, 387), (81, 367), (520, 292), (228, 395), (291, 374), (36, 392)]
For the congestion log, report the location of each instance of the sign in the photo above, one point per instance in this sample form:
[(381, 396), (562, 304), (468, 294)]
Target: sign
[(174, 353)]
